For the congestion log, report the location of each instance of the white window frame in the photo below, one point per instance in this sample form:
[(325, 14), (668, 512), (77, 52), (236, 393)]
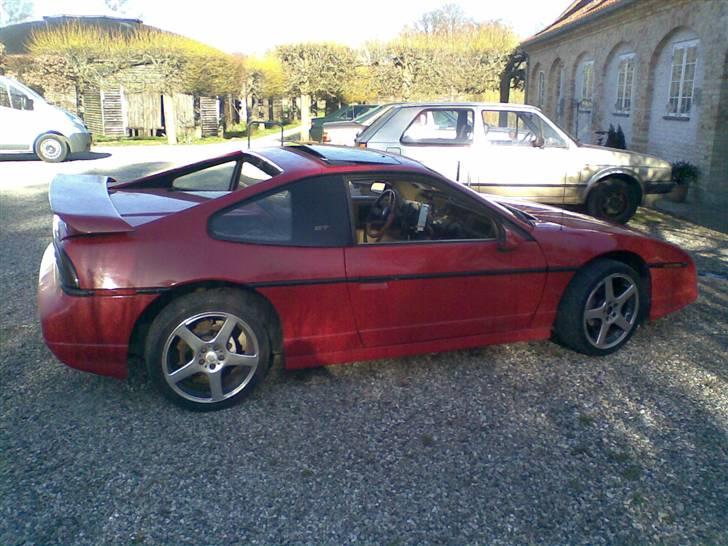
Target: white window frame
[(625, 86), (541, 98), (586, 92), (680, 105)]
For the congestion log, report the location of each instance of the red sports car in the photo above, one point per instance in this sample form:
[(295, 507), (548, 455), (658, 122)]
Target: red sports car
[(321, 255)]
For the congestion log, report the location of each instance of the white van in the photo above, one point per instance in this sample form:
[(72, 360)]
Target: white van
[(29, 124)]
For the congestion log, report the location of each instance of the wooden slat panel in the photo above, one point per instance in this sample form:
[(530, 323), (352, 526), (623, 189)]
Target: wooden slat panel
[(144, 111), (114, 122), (92, 111), (209, 116), (184, 109)]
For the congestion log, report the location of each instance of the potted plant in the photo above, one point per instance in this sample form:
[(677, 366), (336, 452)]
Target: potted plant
[(684, 173)]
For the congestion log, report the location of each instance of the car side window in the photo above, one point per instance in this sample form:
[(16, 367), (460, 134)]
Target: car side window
[(395, 210), (311, 212), (504, 128), (4, 97), (441, 127), (510, 128), (19, 100), (216, 178)]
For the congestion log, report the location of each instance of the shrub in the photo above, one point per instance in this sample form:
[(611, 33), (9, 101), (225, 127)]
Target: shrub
[(685, 173)]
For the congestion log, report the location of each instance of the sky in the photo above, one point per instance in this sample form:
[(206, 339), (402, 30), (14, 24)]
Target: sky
[(254, 27)]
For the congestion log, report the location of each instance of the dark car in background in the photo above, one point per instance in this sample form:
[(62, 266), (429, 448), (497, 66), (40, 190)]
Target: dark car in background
[(345, 113)]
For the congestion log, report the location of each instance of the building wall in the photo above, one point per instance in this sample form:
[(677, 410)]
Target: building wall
[(648, 29)]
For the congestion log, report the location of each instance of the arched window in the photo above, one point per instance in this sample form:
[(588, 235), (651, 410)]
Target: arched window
[(682, 80)]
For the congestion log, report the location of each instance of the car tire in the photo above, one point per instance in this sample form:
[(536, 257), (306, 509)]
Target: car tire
[(192, 365), (601, 308), (51, 149), (613, 199)]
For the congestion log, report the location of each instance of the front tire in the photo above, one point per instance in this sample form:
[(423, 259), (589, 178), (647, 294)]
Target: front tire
[(613, 199), (51, 149), (207, 350), (601, 308)]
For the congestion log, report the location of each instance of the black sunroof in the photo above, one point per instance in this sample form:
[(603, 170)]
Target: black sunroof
[(341, 155)]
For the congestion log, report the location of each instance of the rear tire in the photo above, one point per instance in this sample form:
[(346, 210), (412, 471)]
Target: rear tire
[(613, 199), (51, 149), (601, 308), (207, 350)]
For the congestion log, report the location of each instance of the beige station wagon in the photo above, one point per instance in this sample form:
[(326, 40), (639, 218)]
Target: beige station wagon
[(515, 150)]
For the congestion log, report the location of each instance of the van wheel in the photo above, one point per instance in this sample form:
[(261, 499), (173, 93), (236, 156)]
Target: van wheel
[(51, 148), (614, 200)]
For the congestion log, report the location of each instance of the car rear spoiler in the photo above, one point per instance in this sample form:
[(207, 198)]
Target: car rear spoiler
[(83, 203)]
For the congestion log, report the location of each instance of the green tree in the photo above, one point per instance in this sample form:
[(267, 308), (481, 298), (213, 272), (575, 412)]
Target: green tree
[(319, 70), (15, 11), (448, 20), (443, 55)]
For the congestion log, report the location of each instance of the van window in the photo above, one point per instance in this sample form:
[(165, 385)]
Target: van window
[(4, 97), (19, 100)]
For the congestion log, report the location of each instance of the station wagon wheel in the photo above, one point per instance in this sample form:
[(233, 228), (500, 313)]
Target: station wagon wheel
[(51, 148), (613, 199), (601, 308), (206, 350)]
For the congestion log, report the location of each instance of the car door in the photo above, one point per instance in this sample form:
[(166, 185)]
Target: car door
[(518, 155), (297, 234), (439, 137), (16, 111), (436, 271)]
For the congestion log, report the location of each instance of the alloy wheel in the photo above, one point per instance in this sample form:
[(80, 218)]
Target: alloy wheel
[(611, 311), (210, 357)]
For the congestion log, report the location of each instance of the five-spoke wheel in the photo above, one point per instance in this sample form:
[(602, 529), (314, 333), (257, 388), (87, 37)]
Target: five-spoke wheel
[(206, 350), (601, 308)]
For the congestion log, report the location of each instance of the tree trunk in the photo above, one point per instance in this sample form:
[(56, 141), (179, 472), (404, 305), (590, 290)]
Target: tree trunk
[(228, 119), (305, 117), (505, 87), (170, 122), (244, 104)]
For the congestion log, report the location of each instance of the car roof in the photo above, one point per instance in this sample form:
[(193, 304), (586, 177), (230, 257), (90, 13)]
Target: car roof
[(445, 104), (337, 157)]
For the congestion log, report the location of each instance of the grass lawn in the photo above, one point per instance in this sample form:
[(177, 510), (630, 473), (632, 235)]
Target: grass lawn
[(236, 133)]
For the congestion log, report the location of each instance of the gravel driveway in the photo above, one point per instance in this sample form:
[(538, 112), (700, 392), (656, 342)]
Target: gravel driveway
[(523, 443)]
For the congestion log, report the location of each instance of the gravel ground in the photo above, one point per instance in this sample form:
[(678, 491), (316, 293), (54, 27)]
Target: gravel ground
[(523, 443)]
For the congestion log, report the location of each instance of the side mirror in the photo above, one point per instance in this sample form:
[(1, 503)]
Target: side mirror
[(538, 142), (507, 239)]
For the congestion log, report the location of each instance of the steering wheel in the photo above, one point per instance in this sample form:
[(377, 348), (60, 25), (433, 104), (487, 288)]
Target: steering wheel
[(381, 215)]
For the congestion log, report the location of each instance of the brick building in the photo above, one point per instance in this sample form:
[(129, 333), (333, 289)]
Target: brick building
[(657, 68)]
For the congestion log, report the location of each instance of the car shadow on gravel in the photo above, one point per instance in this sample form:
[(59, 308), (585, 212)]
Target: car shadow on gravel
[(80, 156)]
